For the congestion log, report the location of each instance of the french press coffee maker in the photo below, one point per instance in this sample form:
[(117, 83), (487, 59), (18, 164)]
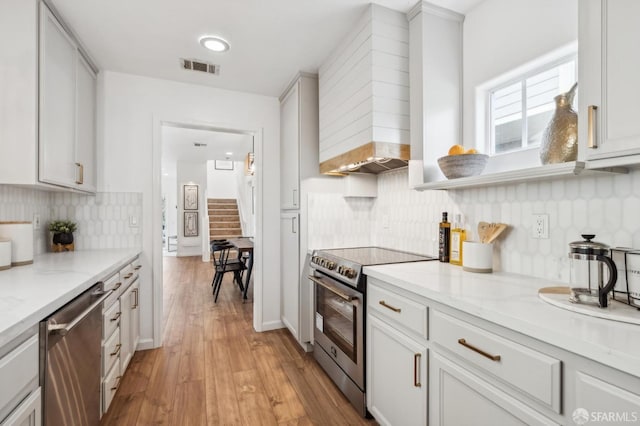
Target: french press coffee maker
[(588, 261)]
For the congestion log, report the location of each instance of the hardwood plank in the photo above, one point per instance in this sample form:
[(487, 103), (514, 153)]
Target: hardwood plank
[(228, 409), (255, 408), (189, 404)]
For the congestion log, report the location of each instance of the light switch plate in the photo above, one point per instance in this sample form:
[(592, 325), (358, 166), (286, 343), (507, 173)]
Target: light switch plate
[(36, 221), (133, 221)]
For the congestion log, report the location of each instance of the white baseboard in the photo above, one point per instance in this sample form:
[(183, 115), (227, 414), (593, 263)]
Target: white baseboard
[(144, 344), (272, 325)]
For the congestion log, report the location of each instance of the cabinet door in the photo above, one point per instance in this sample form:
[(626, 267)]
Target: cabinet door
[(605, 402), (57, 103), (125, 327), (609, 63), (290, 149), (396, 376), (290, 271), (459, 397), (135, 316), (85, 127), (28, 413)]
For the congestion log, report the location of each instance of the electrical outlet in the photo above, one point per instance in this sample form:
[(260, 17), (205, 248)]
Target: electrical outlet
[(36, 221), (540, 227)]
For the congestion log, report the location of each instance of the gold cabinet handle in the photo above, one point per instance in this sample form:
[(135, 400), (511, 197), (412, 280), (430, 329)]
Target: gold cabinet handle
[(393, 308), (116, 317), (592, 141), (464, 343), (80, 179), (117, 286), (135, 304), (416, 375), (117, 383), (138, 267), (129, 275), (117, 351)]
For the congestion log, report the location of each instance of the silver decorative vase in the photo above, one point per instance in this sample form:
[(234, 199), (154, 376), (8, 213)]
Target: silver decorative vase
[(560, 138)]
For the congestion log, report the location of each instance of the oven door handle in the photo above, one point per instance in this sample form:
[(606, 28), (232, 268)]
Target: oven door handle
[(333, 289)]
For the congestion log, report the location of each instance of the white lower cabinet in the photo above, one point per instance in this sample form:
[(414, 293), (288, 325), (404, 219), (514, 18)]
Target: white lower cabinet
[(121, 328), (459, 397), (28, 413), (603, 402), (396, 375)]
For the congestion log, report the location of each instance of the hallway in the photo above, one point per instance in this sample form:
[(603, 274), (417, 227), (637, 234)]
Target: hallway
[(214, 369)]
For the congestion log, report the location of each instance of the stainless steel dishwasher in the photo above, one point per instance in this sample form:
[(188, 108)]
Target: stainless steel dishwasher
[(70, 360)]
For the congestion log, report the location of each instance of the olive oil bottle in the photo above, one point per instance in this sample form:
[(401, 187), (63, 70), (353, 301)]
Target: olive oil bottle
[(444, 236), (458, 235)]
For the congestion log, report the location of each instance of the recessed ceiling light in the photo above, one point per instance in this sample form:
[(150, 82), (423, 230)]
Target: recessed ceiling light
[(214, 43), (228, 153)]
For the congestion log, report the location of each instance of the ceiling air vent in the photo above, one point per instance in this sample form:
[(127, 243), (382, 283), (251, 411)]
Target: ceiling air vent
[(195, 65)]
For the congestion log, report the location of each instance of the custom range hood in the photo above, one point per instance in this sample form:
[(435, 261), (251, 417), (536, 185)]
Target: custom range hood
[(364, 97)]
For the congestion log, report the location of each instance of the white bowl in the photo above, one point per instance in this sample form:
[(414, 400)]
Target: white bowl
[(462, 165)]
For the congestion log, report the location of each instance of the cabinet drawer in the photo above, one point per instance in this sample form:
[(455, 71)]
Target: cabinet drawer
[(110, 386), (19, 368), (127, 275), (404, 311), (110, 320), (530, 371), (111, 352), (114, 284)]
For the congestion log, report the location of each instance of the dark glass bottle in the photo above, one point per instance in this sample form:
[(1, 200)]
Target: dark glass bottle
[(444, 235)]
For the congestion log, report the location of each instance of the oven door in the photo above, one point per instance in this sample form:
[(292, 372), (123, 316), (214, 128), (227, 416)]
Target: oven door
[(339, 325)]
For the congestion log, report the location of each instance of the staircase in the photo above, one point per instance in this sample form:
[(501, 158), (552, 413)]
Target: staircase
[(224, 221)]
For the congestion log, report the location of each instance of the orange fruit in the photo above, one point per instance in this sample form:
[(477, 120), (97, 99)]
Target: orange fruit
[(471, 151), (456, 150)]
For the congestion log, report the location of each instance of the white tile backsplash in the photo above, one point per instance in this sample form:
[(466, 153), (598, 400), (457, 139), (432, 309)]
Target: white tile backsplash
[(606, 205), (103, 219)]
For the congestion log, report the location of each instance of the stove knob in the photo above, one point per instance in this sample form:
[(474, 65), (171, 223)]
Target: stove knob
[(350, 273), (314, 259), (322, 262), (340, 269), (331, 266)]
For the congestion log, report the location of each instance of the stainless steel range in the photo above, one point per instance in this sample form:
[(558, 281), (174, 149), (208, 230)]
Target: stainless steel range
[(340, 302)]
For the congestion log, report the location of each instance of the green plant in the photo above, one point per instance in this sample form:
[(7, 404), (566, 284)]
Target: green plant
[(62, 226)]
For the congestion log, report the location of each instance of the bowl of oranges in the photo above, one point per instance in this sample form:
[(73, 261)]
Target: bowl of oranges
[(462, 163)]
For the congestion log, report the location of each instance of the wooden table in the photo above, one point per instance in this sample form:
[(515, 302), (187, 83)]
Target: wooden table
[(244, 245)]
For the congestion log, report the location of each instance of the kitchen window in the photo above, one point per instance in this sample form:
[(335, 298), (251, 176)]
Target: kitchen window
[(520, 108)]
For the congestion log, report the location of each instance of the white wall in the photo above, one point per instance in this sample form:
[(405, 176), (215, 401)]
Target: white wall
[(129, 107), (191, 174), (500, 35), (170, 192), (221, 183), (246, 200)]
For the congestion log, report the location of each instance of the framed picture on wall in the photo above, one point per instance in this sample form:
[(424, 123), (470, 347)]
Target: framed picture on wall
[(190, 224), (190, 197), (224, 165)]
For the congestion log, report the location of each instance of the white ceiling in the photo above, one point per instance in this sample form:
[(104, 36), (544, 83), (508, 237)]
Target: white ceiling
[(178, 145), (270, 40)]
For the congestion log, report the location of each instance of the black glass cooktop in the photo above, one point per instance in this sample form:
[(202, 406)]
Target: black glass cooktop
[(367, 256)]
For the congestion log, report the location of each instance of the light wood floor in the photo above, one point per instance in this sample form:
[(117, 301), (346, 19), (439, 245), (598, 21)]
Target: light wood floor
[(214, 369)]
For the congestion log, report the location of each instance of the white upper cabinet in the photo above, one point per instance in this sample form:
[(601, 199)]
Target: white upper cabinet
[(48, 119), (298, 138), (608, 83)]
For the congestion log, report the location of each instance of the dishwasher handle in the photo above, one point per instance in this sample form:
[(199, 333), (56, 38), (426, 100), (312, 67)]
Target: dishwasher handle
[(64, 328)]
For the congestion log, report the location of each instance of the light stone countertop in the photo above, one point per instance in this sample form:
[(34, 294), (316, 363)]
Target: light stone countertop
[(512, 301), (30, 293)]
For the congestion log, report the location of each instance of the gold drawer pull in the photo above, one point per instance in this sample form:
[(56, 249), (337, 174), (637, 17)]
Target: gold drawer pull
[(416, 376), (117, 351), (464, 343), (117, 383), (116, 317), (393, 308), (591, 127), (117, 286), (129, 275), (138, 267)]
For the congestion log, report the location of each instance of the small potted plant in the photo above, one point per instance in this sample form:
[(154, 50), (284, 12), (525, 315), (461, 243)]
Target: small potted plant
[(62, 232)]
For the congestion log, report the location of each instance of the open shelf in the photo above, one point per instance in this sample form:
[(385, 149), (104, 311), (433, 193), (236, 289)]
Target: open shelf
[(539, 173)]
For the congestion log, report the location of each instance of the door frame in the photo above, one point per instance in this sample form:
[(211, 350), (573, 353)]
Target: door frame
[(156, 208)]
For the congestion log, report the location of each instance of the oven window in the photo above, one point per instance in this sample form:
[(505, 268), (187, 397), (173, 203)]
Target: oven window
[(338, 321)]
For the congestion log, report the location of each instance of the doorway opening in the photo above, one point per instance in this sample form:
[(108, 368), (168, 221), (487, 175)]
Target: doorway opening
[(197, 166)]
